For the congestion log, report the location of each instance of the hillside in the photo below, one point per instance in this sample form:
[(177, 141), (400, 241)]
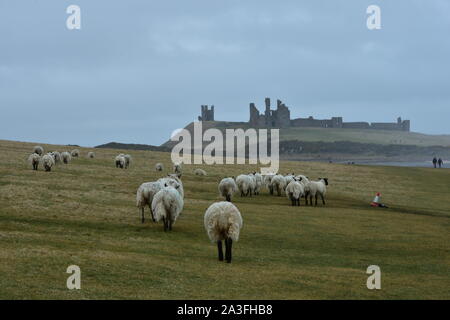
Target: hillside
[(84, 213)]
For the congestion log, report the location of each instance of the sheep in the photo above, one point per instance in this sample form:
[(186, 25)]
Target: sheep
[(294, 191), (167, 205), (223, 221), (38, 150), (146, 192), (48, 162), (288, 178), (278, 184), (91, 155), (34, 160), (120, 161), (268, 182), (56, 156), (258, 178), (245, 184), (315, 188), (127, 160), (200, 172), (177, 178), (75, 153), (177, 168), (159, 167), (227, 187), (66, 157)]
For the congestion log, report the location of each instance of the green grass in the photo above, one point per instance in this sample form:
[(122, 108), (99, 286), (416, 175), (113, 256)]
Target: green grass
[(84, 214)]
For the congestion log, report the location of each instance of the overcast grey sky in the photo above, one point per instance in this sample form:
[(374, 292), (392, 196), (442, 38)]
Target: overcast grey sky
[(139, 69)]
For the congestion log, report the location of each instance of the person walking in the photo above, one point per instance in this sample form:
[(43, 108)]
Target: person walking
[(440, 162), (434, 162)]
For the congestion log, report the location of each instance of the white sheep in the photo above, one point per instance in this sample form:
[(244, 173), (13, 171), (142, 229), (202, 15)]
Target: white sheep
[(34, 160), (223, 221), (268, 182), (120, 161), (289, 178), (66, 157), (91, 154), (200, 172), (39, 150), (167, 205), (278, 184), (245, 185), (146, 192), (56, 156), (127, 160), (227, 187), (75, 153), (177, 168), (315, 188), (294, 191), (48, 162), (177, 178), (159, 167), (258, 178)]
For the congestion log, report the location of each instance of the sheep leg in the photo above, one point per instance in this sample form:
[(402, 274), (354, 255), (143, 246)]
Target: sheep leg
[(323, 199), (151, 212), (169, 222), (228, 198), (142, 215), (271, 191), (298, 202), (219, 249), (316, 199), (165, 224), (310, 200), (228, 245)]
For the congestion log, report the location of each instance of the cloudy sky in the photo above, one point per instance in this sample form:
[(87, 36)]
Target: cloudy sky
[(139, 69)]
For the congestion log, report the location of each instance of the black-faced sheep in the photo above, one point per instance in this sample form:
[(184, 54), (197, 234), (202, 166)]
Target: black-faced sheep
[(75, 153), (178, 168), (294, 191), (223, 221), (91, 155), (315, 188), (48, 162), (120, 161), (159, 167)]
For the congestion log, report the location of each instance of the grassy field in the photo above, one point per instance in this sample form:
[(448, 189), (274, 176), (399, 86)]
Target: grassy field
[(84, 214)]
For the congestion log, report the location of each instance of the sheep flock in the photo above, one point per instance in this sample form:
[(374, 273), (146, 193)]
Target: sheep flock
[(164, 200)]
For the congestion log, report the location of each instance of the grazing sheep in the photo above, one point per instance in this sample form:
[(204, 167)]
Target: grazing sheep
[(56, 156), (75, 153), (288, 178), (66, 157), (294, 191), (91, 155), (223, 221), (268, 182), (120, 161), (159, 167), (34, 159), (177, 178), (315, 188), (278, 184), (48, 162), (199, 172), (245, 184), (167, 205), (258, 178), (39, 150), (127, 160), (227, 187), (177, 168)]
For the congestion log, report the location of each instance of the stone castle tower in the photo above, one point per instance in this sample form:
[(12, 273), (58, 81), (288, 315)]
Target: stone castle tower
[(206, 114)]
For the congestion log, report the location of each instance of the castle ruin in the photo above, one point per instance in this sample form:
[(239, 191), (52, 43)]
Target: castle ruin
[(281, 118)]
